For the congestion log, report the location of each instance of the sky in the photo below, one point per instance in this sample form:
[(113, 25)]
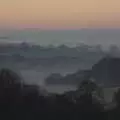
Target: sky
[(60, 14)]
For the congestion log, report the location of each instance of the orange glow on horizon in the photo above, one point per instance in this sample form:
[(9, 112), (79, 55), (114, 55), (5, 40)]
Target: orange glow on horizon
[(50, 14)]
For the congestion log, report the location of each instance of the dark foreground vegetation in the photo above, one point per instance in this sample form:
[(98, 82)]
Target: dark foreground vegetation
[(19, 101)]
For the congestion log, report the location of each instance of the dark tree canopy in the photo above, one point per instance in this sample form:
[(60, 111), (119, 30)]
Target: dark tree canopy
[(22, 102)]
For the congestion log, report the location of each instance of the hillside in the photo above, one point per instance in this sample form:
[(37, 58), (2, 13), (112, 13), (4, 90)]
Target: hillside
[(106, 71)]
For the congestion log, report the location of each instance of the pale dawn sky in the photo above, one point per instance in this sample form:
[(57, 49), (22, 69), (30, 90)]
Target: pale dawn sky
[(60, 13)]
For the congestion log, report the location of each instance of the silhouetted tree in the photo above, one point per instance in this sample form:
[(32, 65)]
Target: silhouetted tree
[(87, 86), (20, 101), (10, 83)]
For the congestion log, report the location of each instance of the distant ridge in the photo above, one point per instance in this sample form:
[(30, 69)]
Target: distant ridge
[(106, 71)]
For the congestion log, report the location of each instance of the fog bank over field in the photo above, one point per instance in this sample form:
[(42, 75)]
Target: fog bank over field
[(69, 37), (35, 63), (37, 54)]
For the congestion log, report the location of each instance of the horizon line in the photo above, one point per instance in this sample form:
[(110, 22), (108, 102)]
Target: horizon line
[(61, 29)]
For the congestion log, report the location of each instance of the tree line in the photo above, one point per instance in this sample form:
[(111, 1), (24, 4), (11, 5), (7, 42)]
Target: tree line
[(19, 101)]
